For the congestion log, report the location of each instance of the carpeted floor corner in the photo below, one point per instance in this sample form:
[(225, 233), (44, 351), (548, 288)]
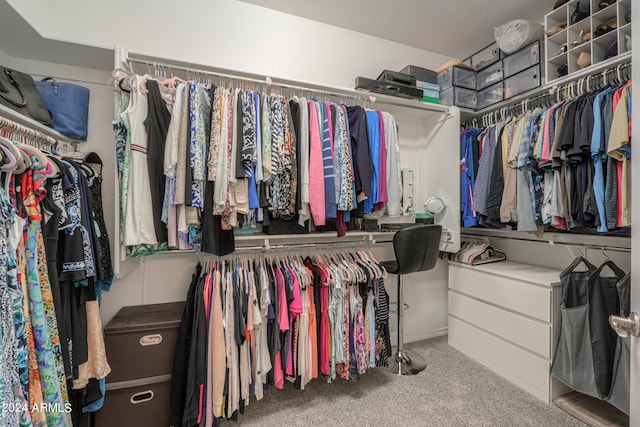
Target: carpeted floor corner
[(453, 391)]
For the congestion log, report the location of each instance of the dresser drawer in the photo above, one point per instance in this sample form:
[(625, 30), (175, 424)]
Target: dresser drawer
[(531, 334), (136, 406), (527, 370), (140, 341), (523, 297)]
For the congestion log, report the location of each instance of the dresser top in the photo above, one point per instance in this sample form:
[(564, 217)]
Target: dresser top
[(519, 271)]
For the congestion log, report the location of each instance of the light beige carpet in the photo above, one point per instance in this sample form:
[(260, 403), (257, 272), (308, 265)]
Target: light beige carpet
[(453, 391)]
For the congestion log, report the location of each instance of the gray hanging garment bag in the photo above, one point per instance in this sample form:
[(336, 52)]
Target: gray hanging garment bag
[(603, 302), (619, 393), (573, 359)]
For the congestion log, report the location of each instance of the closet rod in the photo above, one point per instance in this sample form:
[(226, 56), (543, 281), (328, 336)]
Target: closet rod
[(11, 128), (549, 242), (291, 246), (124, 57), (333, 245), (267, 81)]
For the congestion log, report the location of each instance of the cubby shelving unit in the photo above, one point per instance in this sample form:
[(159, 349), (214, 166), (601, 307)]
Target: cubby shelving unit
[(566, 45)]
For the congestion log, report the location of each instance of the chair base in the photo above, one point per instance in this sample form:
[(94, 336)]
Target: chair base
[(407, 362)]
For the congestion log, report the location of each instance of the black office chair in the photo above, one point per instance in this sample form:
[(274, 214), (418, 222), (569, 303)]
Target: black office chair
[(416, 249)]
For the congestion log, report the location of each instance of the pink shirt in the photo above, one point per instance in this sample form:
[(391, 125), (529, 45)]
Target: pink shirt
[(278, 373), (324, 331), (546, 137), (295, 309), (316, 168), (283, 310), (382, 187), (283, 325)]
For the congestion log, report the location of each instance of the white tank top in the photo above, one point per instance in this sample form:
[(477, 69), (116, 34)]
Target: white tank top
[(139, 224)]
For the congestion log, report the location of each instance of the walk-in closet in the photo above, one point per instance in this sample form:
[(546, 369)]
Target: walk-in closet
[(351, 213)]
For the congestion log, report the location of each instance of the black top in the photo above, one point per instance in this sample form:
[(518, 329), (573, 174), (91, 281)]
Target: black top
[(182, 353), (494, 197), (360, 151), (157, 125), (295, 122)]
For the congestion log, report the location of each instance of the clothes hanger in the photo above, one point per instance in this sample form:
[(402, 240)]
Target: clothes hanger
[(39, 160), (12, 154), (374, 269), (353, 271), (4, 159), (617, 271), (380, 272), (580, 259), (23, 161)]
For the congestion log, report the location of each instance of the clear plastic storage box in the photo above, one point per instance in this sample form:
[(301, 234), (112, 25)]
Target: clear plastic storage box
[(489, 76), (457, 76), (522, 82), (459, 97), (489, 96), (521, 60), (486, 57)]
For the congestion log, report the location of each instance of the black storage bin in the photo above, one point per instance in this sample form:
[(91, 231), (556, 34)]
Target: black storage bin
[(421, 74), (281, 226), (140, 341)]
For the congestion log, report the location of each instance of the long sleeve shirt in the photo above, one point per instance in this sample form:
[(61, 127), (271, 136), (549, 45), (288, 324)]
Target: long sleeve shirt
[(316, 168)]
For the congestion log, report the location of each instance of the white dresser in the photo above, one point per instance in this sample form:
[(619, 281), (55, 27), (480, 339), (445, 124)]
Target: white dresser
[(506, 316)]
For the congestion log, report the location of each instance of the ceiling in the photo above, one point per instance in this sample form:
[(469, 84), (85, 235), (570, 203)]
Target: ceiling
[(32, 45), (454, 28)]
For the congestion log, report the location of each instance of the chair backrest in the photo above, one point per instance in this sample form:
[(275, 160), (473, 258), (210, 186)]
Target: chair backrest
[(416, 247)]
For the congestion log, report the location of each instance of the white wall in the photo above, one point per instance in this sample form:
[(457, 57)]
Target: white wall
[(226, 34)]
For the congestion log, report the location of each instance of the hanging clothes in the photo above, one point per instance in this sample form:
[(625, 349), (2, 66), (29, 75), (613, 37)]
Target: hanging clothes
[(54, 245), (234, 158), (561, 167), (252, 323)]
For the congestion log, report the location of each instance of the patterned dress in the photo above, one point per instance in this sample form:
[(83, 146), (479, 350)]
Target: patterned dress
[(47, 350), (8, 362), (17, 359)]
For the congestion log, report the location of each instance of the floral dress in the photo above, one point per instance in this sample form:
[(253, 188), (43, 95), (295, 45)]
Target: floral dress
[(43, 319)]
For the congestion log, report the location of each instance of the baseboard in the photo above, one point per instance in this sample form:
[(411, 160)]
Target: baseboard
[(419, 336)]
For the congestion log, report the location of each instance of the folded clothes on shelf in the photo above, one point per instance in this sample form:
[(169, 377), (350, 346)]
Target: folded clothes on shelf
[(474, 254)]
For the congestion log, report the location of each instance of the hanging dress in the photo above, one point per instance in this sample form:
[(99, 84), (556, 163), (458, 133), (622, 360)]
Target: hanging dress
[(11, 390), (45, 330)]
